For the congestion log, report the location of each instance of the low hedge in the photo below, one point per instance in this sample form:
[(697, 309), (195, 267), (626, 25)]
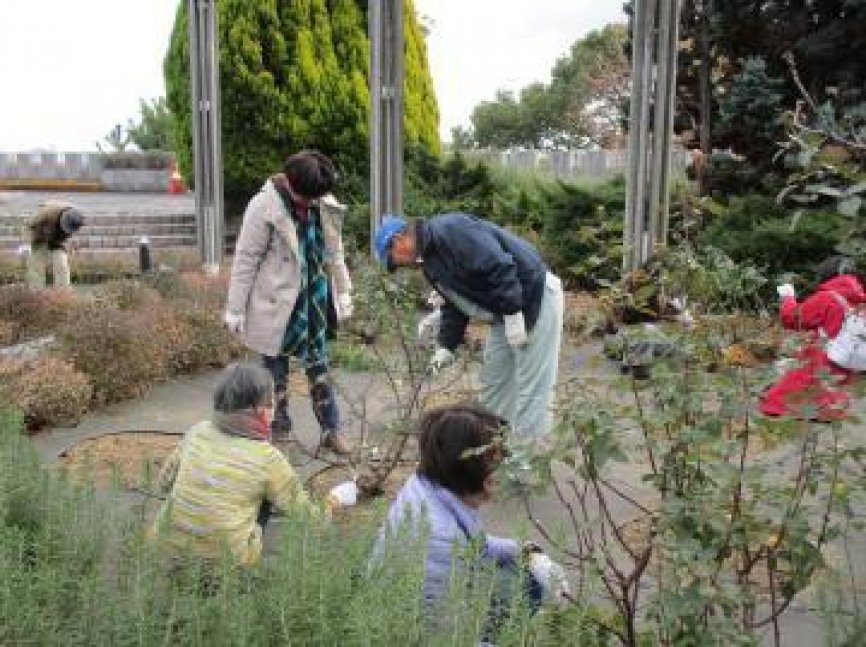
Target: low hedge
[(48, 391), (119, 340)]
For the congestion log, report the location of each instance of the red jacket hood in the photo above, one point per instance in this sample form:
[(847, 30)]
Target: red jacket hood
[(846, 285)]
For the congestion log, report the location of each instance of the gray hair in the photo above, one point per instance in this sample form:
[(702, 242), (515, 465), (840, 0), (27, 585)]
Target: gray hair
[(243, 386)]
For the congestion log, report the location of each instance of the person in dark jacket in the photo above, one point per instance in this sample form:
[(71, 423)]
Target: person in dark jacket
[(50, 229), (485, 272)]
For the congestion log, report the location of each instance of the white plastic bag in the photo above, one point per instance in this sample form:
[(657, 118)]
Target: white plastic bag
[(848, 348), (344, 495)]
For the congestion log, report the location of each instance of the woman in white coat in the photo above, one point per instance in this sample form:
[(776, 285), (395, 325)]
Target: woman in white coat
[(288, 257)]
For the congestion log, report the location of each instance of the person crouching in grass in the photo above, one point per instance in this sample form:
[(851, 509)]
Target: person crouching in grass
[(225, 476), (460, 447)]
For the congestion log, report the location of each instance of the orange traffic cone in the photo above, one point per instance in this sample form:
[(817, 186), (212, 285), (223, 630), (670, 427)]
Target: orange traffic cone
[(175, 181)]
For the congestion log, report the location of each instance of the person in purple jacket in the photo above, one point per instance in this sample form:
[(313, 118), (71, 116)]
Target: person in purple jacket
[(460, 447)]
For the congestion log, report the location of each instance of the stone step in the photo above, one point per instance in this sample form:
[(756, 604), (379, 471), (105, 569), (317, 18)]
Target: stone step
[(116, 242), (107, 219), (140, 229), (97, 253)]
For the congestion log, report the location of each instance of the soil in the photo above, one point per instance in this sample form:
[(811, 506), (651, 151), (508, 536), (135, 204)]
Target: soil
[(132, 458), (583, 315)]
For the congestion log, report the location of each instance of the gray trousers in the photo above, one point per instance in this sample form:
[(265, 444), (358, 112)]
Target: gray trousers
[(518, 383)]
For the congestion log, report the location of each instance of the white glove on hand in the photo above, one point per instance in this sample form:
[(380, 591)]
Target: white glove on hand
[(550, 576), (343, 495), (428, 327), (785, 290), (235, 322), (441, 358), (515, 330), (345, 308)]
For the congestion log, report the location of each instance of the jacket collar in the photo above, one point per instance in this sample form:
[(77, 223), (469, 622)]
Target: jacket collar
[(280, 218)]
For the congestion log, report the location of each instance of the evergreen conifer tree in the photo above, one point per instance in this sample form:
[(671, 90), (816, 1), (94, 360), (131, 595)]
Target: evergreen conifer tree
[(293, 75)]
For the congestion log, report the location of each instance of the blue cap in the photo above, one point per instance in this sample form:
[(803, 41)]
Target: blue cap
[(390, 226)]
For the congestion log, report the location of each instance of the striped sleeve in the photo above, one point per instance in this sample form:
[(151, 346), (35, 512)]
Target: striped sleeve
[(284, 488)]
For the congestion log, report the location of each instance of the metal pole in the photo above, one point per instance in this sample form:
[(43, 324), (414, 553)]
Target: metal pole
[(634, 101), (376, 134), (642, 59), (654, 38), (394, 107), (673, 47), (204, 67), (659, 151), (386, 109)]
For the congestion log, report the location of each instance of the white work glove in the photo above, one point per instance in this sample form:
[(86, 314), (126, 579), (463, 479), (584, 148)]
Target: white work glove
[(515, 330), (343, 495), (550, 576), (785, 290), (345, 308), (428, 327), (235, 322), (435, 300), (441, 358), (24, 249)]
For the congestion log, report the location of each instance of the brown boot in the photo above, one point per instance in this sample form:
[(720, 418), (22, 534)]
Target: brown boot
[(337, 443)]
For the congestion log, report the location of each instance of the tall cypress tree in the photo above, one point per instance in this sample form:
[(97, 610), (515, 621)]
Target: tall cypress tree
[(421, 116), (293, 75)]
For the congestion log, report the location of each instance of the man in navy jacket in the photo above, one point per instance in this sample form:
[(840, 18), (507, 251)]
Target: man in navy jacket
[(485, 272)]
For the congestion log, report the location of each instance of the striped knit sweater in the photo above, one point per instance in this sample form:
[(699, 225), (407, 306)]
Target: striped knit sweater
[(218, 482)]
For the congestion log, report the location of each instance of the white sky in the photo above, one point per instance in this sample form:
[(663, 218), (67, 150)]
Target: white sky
[(72, 69), (477, 47)]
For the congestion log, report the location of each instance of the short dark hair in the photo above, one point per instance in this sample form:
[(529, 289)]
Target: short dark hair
[(310, 173), (447, 438), (243, 386)]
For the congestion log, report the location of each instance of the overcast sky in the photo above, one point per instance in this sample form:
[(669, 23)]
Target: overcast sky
[(74, 69), (477, 47)]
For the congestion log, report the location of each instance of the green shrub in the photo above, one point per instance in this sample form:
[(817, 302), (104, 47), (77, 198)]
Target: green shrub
[(582, 231), (754, 228), (353, 356)]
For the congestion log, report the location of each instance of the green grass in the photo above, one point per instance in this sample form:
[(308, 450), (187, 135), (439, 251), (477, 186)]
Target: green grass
[(76, 568)]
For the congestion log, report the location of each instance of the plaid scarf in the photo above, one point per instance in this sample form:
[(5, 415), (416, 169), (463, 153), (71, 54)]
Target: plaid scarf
[(306, 332)]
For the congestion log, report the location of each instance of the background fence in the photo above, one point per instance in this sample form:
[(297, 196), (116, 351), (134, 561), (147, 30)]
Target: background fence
[(570, 164), (80, 171)]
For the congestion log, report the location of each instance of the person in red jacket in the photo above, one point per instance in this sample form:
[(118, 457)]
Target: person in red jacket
[(806, 391)]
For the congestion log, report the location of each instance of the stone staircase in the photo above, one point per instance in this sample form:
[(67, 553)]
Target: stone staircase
[(114, 229)]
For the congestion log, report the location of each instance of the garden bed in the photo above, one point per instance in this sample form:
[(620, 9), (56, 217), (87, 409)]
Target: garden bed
[(130, 458)]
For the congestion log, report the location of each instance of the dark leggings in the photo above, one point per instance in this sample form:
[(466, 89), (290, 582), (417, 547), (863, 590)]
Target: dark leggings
[(322, 395)]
